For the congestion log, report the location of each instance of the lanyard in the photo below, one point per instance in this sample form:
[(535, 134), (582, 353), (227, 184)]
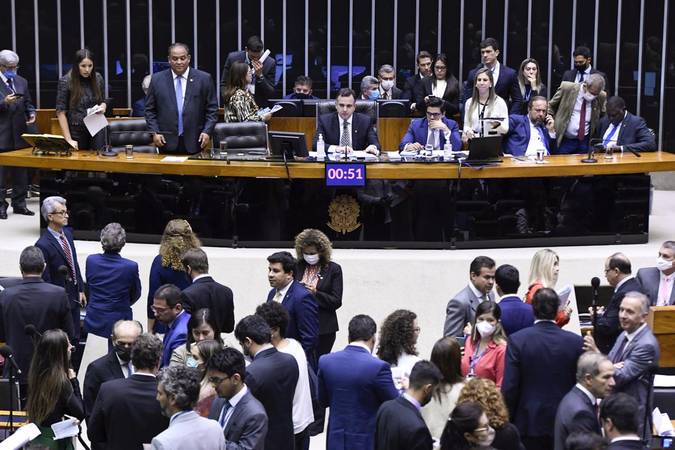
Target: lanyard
[(473, 360)]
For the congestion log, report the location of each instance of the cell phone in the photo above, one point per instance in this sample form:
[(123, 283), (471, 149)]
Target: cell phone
[(17, 95)]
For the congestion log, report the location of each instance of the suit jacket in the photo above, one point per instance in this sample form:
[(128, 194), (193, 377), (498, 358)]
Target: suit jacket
[(353, 384), (396, 93), (575, 413), (247, 427), (460, 310), (13, 117), (114, 286), (363, 132), (419, 129), (649, 278), (608, 327), (175, 336), (272, 377), (207, 293), (127, 414), (103, 369), (516, 314), (636, 377), (188, 430), (516, 140), (524, 106), (328, 294), (399, 425), (31, 302), (56, 258), (450, 97), (571, 75), (633, 133), (264, 86), (507, 87), (532, 392), (562, 105), (303, 321), (626, 445), (410, 86), (200, 108)]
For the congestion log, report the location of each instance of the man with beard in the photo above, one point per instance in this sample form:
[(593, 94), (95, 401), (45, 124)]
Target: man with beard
[(582, 67), (531, 133)]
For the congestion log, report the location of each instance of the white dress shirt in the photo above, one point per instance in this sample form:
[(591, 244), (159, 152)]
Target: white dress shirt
[(669, 287), (536, 143), (303, 414), (439, 89), (233, 401), (183, 81), (495, 73), (341, 121), (281, 293), (573, 127), (497, 108), (587, 72)]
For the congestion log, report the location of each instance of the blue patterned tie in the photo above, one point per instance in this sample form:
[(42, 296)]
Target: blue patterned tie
[(179, 103)]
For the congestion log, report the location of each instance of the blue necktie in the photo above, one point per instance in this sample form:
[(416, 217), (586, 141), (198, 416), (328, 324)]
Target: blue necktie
[(226, 407), (179, 104)]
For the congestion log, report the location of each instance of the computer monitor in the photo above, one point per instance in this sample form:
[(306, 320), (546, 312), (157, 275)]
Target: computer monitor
[(287, 143), (484, 149)]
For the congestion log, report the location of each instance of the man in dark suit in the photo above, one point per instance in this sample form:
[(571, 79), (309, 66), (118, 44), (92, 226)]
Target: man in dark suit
[(302, 307), (657, 282), (505, 78), (516, 314), (181, 107), (16, 112), (431, 129), (399, 424), (116, 364), (346, 130), (353, 384), (620, 423), (168, 307), (538, 371), (622, 130), (423, 70), (60, 256), (618, 274), (31, 302), (578, 410), (126, 414), (263, 81), (461, 309), (241, 415), (271, 377), (582, 67), (531, 133), (387, 78), (205, 292)]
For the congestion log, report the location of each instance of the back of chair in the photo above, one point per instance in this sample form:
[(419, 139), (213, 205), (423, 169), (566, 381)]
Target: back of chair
[(134, 132), (248, 136), (290, 107), (394, 108), (368, 107)]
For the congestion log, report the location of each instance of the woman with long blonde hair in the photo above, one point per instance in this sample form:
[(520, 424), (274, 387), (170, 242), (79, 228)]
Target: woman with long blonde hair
[(485, 103), (544, 270)]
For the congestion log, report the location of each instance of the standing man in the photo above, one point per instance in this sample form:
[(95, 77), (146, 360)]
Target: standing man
[(619, 422), (387, 78), (423, 70), (16, 112), (461, 309), (582, 66), (262, 84), (181, 107), (168, 307), (531, 133), (516, 314), (657, 282)]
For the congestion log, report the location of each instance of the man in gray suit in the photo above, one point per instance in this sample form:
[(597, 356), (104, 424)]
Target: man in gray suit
[(657, 282), (578, 410), (635, 356), (461, 310), (177, 393), (238, 412)]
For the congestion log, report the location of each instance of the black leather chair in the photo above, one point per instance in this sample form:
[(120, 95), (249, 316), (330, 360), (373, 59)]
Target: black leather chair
[(290, 107), (133, 131), (248, 137), (394, 108), (368, 107)]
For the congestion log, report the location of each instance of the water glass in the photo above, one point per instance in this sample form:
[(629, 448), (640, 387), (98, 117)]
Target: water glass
[(129, 151)]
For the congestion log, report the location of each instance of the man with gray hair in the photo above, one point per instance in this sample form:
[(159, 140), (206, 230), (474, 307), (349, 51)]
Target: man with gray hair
[(578, 410), (387, 78), (657, 282), (16, 113), (177, 393), (370, 88), (577, 108)]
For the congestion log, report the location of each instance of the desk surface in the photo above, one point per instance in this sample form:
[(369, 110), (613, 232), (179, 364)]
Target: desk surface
[(556, 166)]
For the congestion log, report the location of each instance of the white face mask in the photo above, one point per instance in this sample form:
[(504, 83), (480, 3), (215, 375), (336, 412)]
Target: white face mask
[(663, 265), (488, 439), (387, 84), (485, 329), (311, 259), (589, 97)]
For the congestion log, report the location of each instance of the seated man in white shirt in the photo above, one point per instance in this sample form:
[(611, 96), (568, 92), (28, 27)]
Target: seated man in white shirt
[(531, 133), (622, 130)]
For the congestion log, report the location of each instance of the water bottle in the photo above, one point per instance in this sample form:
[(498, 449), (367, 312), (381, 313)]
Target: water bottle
[(320, 148), (447, 148)]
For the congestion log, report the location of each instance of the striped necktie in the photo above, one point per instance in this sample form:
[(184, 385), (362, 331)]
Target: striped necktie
[(69, 256)]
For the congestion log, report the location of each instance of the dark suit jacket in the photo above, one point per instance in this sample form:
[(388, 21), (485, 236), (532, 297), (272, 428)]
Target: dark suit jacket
[(608, 328), (450, 96), (649, 278), (516, 140), (399, 425), (543, 92), (207, 293), (419, 129), (200, 108), (13, 117), (363, 132), (264, 86), (575, 413), (627, 445), (633, 133), (328, 294), (247, 427), (353, 384), (571, 75), (55, 258), (303, 321), (410, 86), (532, 392), (396, 93), (516, 314), (103, 369), (31, 302), (507, 87), (127, 414), (272, 377)]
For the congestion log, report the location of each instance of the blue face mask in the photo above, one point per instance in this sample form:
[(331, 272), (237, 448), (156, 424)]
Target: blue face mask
[(191, 362), (374, 94), (11, 74)]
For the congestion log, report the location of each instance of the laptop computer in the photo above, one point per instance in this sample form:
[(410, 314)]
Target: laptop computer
[(484, 150)]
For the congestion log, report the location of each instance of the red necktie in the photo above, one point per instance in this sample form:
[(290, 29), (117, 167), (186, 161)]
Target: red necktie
[(69, 257), (582, 121)]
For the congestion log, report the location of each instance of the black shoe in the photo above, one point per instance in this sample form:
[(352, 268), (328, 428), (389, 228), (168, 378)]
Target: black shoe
[(3, 213), (23, 211)]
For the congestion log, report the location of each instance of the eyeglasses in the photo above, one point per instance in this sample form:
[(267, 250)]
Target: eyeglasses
[(440, 67), (159, 309), (433, 114), (65, 212), (215, 381)]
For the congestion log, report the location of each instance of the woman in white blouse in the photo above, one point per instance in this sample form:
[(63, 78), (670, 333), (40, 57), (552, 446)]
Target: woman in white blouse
[(484, 103)]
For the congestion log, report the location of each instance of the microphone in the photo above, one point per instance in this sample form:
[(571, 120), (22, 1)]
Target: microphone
[(595, 284), (31, 331), (7, 353), (65, 273)]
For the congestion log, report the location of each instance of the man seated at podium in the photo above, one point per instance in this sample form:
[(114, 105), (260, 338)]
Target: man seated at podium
[(621, 130), (531, 133), (346, 130), (432, 129)]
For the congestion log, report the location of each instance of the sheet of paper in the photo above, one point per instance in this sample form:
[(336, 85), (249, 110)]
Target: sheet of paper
[(21, 437), (362, 154), (394, 156), (564, 294), (408, 153), (174, 159), (95, 123), (664, 381), (65, 429), (264, 56)]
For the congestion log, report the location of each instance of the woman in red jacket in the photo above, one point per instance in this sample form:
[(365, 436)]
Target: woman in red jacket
[(544, 273)]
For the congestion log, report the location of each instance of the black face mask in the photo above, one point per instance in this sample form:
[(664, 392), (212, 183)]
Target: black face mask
[(581, 68), (301, 96), (123, 353)]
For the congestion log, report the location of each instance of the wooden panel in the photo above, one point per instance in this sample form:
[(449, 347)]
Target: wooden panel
[(661, 320), (122, 112), (43, 120), (305, 125), (391, 131)]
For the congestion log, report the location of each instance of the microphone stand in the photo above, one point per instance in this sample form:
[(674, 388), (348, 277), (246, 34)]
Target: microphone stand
[(11, 377), (594, 308)]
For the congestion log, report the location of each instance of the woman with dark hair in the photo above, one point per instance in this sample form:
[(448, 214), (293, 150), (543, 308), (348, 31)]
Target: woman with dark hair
[(442, 84), (398, 340), (447, 356), (77, 91), (238, 103), (529, 81), (201, 352), (485, 349), (467, 428), (53, 389), (202, 326), (485, 103), (323, 278)]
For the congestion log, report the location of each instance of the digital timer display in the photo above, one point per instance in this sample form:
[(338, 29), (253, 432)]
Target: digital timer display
[(346, 174)]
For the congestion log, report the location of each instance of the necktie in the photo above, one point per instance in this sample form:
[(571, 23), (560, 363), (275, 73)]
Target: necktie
[(10, 85), (618, 356), (437, 139), (582, 121), (223, 413), (345, 139), (179, 104), (581, 76), (277, 297), (128, 367), (663, 290), (69, 257)]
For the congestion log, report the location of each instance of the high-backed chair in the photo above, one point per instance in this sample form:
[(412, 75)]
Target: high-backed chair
[(290, 107), (249, 137), (133, 131), (394, 108), (368, 107)]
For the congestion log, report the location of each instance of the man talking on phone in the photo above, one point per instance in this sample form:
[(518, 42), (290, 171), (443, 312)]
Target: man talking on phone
[(261, 63), (531, 133)]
